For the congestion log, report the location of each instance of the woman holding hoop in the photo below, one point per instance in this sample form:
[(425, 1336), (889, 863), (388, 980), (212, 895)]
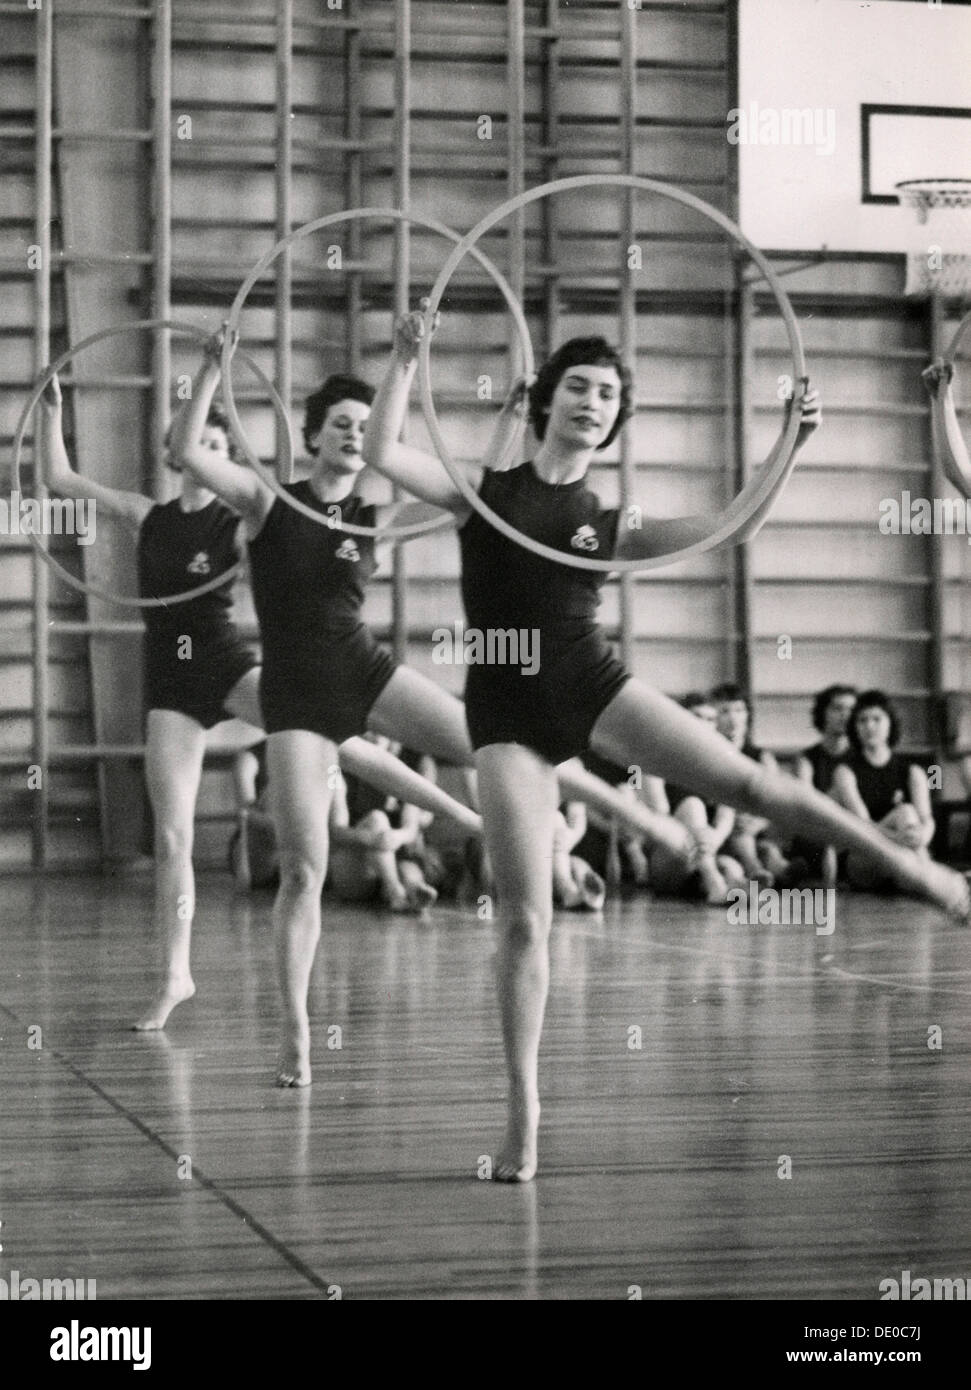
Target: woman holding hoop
[(198, 670), (583, 695), (325, 677)]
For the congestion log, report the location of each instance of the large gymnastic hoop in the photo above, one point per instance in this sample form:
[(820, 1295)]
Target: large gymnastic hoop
[(185, 330), (954, 476), (951, 351), (754, 501), (417, 528)]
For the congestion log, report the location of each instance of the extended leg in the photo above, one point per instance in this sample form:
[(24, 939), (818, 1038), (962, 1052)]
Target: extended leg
[(642, 725)]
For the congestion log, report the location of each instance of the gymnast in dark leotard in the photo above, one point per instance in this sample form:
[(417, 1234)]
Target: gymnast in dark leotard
[(582, 695), (324, 675), (197, 669)]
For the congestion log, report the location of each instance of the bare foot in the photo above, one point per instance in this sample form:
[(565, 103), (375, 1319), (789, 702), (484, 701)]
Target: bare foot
[(713, 883), (516, 1161), (948, 889), (156, 1015), (422, 895), (294, 1065), (830, 867)]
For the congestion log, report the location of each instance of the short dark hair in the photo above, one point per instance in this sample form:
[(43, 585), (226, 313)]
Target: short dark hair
[(216, 419), (874, 699), (695, 699), (579, 352), (336, 388), (728, 692), (824, 699)]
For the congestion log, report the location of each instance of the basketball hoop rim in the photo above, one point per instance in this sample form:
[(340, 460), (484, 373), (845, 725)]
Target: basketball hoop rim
[(928, 188)]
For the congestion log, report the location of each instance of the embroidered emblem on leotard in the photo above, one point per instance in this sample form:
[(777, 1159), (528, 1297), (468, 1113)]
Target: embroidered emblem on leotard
[(347, 550), (585, 539), (199, 564)]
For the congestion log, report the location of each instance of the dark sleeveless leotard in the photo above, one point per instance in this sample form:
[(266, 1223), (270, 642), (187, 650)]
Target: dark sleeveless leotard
[(322, 668), (193, 653), (505, 587), (823, 764), (882, 788)]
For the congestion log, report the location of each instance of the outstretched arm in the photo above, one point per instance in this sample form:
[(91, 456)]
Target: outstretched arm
[(55, 469), (656, 537), (238, 487), (954, 453), (419, 473)]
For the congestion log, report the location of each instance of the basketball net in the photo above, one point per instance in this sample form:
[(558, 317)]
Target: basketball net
[(939, 258)]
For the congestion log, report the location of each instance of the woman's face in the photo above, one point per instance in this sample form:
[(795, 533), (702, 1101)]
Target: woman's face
[(584, 407), (338, 445), (213, 441), (873, 726), (838, 714), (733, 720)]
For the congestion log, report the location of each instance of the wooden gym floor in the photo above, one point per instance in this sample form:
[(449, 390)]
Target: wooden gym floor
[(659, 1164)]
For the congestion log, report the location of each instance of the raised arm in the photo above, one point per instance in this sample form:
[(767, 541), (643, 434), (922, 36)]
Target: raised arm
[(56, 472), (657, 536), (238, 487), (419, 473), (507, 432), (938, 378)]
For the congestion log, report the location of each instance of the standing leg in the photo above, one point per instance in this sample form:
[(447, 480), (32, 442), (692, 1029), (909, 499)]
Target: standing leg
[(642, 724), (518, 796), (300, 794), (173, 766)]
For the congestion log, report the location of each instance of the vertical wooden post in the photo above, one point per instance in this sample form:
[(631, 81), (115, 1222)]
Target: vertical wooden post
[(353, 194), (628, 300), (161, 294), (402, 264), (739, 469), (516, 157), (936, 603), (43, 143), (283, 269)]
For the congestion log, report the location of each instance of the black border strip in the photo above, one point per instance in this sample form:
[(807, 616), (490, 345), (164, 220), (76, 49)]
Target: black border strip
[(867, 110)]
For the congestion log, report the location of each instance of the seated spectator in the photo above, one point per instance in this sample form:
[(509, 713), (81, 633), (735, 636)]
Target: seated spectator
[(616, 852), (752, 841), (575, 884), (831, 715), (377, 849), (712, 873), (882, 786)]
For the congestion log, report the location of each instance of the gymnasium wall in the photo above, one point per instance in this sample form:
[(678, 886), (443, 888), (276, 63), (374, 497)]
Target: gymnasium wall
[(602, 88)]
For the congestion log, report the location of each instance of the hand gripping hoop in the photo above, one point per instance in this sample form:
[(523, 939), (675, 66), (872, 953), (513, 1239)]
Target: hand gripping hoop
[(185, 330), (954, 475), (749, 509), (417, 528)]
